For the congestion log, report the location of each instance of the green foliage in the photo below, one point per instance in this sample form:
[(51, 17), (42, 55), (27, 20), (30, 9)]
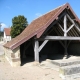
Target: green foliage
[(19, 23)]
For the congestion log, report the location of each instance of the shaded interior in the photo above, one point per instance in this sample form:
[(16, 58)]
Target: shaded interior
[(53, 50)]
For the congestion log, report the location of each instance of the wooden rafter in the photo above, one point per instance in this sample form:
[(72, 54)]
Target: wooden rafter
[(60, 27), (62, 32), (68, 31), (77, 27), (76, 34), (69, 18)]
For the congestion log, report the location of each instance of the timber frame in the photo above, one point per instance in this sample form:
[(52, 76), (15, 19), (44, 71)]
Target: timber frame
[(60, 24), (69, 31)]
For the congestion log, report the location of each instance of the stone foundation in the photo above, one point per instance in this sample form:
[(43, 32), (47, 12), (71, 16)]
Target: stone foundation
[(69, 69), (70, 72), (65, 62), (13, 56)]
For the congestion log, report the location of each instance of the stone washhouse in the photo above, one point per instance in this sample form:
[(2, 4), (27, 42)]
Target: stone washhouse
[(57, 31)]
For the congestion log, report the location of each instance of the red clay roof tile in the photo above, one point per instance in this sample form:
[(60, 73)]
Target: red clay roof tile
[(7, 31), (35, 27)]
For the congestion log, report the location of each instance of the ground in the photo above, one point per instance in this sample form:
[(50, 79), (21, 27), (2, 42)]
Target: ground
[(29, 71)]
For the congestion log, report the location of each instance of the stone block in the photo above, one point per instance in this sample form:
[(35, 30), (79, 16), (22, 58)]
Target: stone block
[(16, 64), (13, 56), (69, 71), (65, 63)]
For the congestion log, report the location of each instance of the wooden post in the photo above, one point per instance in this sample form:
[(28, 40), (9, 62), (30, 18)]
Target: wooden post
[(36, 52), (65, 51), (65, 25)]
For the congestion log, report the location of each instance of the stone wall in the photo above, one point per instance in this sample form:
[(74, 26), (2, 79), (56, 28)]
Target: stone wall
[(13, 56)]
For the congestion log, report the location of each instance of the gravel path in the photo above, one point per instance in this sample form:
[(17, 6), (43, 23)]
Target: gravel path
[(27, 72), (1, 48)]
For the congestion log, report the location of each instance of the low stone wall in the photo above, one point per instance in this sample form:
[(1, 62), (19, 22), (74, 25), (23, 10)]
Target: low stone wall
[(13, 56), (66, 62), (70, 72)]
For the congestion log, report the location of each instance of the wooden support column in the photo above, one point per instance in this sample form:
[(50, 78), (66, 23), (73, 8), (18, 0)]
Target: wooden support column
[(65, 25), (65, 49), (36, 52)]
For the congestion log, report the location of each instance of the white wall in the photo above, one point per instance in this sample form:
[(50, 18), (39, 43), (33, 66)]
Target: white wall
[(6, 38)]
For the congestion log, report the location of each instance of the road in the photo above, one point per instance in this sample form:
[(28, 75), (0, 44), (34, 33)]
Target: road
[(1, 48)]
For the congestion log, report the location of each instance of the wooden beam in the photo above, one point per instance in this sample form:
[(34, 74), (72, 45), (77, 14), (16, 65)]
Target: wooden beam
[(54, 22), (60, 27), (59, 38), (69, 33), (59, 17), (77, 27), (36, 52), (62, 43), (76, 34), (42, 45), (70, 18), (26, 46), (50, 26), (65, 25), (70, 27), (65, 52), (68, 44), (59, 31), (72, 32)]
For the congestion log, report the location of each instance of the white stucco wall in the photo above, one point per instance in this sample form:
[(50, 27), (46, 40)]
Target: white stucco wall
[(6, 38), (4, 35)]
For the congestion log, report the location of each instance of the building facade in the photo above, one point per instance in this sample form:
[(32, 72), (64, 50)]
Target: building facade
[(7, 36)]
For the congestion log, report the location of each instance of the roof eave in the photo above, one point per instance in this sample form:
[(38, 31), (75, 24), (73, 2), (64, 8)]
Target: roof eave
[(21, 41)]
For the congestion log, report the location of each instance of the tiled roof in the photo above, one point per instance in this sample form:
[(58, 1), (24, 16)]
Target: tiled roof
[(7, 31), (37, 27)]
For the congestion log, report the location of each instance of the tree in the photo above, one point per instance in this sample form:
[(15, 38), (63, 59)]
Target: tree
[(19, 23)]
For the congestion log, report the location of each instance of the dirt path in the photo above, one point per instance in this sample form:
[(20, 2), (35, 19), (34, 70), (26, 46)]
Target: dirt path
[(1, 48), (28, 72)]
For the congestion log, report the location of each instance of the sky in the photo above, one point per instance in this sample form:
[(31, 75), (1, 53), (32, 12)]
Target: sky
[(31, 9)]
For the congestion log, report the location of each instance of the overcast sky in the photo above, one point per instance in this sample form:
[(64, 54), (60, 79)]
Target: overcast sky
[(31, 9)]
